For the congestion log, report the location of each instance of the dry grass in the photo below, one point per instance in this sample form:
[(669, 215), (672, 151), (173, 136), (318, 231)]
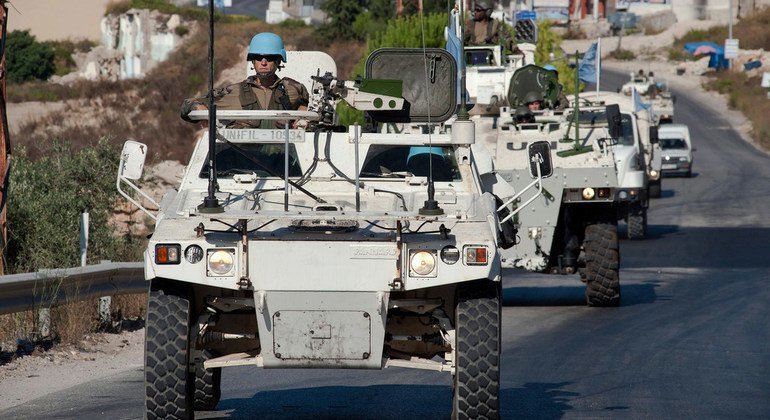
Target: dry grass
[(20, 336), (745, 94)]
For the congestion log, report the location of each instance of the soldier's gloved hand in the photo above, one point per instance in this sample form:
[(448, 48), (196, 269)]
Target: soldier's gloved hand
[(188, 105), (299, 124)]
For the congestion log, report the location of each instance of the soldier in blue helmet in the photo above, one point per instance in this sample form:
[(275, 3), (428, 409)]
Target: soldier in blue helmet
[(561, 101), (264, 90)]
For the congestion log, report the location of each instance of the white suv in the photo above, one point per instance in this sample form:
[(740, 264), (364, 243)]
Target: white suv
[(677, 149)]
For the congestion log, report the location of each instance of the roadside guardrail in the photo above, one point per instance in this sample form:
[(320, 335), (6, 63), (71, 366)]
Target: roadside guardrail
[(51, 287)]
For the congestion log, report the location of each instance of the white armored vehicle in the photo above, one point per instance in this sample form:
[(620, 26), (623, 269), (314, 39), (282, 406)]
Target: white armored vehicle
[(335, 247), (570, 223), (637, 157), (656, 93)]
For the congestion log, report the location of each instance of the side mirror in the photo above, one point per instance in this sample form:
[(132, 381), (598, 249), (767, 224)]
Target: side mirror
[(131, 167), (654, 135), (614, 122), (132, 160), (540, 157)]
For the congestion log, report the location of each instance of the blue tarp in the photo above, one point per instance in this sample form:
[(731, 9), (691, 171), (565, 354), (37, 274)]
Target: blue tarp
[(717, 60)]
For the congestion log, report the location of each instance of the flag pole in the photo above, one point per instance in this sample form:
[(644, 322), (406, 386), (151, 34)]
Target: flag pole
[(598, 66)]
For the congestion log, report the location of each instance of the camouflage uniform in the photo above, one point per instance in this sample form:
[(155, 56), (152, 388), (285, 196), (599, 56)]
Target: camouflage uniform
[(483, 32), (284, 94)]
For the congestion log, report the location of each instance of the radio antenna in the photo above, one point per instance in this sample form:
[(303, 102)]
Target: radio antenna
[(210, 202), (430, 207)]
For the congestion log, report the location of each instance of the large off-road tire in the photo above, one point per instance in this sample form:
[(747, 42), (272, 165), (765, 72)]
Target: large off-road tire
[(655, 189), (477, 351), (168, 388), (602, 264), (637, 222), (207, 385)]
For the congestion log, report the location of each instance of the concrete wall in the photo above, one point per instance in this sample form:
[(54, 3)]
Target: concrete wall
[(141, 38)]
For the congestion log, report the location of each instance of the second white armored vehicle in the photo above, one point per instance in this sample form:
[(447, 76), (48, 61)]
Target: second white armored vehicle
[(570, 222), (336, 247)]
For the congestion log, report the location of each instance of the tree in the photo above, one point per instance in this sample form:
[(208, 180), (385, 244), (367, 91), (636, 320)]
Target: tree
[(27, 58), (341, 15), (548, 51)]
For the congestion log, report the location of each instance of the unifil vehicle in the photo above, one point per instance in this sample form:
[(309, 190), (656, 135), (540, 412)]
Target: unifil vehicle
[(654, 92), (569, 224), (328, 247), (637, 158)]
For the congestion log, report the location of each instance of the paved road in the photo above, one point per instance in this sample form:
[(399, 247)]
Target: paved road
[(691, 338)]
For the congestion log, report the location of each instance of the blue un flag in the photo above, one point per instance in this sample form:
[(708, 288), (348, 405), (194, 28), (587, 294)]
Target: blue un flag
[(454, 46), (637, 99), (587, 66)]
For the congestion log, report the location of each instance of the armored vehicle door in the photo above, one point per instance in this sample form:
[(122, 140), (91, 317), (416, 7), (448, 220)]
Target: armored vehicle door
[(532, 77), (429, 83)]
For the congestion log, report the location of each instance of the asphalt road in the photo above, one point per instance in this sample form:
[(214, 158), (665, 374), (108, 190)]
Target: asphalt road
[(691, 338)]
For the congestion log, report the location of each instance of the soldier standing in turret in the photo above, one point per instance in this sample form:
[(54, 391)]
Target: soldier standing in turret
[(482, 29), (262, 91)]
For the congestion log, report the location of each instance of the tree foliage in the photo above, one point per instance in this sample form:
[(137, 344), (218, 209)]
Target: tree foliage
[(340, 14), (549, 51), (46, 199), (403, 32), (27, 58)]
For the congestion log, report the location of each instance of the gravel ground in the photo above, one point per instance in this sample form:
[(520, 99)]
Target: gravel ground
[(96, 356)]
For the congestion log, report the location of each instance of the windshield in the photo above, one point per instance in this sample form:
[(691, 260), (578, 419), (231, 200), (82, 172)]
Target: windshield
[(673, 144), (231, 162), (599, 118), (479, 58), (383, 161)]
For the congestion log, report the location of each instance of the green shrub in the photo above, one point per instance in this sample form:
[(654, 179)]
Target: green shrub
[(163, 6), (293, 23), (47, 197), (27, 58), (182, 30), (621, 54), (549, 51), (63, 51), (676, 54)]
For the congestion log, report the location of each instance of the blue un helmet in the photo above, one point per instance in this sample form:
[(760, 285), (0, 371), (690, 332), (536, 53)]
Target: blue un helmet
[(550, 67), (266, 43)]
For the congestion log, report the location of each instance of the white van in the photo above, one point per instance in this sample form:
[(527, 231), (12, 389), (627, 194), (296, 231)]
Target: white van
[(677, 149)]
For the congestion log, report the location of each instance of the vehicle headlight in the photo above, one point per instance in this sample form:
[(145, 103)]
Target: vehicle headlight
[(450, 254), (422, 263), (193, 254), (667, 157), (653, 173), (622, 195), (220, 262), (683, 159), (588, 193)]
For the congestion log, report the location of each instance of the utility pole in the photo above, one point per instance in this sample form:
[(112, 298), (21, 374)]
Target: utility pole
[(5, 144)]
